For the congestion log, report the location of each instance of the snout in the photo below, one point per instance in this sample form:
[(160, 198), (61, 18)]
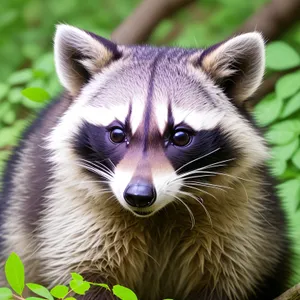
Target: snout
[(140, 194)]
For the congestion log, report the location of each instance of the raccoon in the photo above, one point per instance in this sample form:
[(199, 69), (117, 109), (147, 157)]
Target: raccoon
[(149, 172)]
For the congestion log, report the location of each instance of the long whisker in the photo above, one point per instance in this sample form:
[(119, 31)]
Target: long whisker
[(188, 209), (198, 158), (200, 190), (201, 203)]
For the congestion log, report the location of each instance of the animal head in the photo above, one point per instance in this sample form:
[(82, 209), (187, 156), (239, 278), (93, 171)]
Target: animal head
[(147, 121)]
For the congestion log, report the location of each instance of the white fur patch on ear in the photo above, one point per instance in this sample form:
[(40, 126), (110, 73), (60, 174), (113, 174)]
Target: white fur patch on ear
[(79, 55), (237, 65)]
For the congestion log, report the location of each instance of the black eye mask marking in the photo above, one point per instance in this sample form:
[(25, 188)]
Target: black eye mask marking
[(94, 145), (202, 143)]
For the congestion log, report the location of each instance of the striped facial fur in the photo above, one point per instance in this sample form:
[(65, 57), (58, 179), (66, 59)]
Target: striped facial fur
[(153, 126)]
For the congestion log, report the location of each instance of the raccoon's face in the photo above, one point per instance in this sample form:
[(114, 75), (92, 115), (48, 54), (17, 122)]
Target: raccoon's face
[(151, 122)]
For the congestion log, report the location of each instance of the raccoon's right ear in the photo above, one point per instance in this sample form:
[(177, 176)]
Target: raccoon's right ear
[(79, 55)]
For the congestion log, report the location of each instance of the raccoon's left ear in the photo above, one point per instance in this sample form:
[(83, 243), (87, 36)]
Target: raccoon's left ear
[(237, 65), (79, 55)]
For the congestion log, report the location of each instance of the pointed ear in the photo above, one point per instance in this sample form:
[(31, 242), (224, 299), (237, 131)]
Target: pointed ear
[(237, 65), (79, 55)]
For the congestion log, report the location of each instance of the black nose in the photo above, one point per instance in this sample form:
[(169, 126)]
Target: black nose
[(140, 195)]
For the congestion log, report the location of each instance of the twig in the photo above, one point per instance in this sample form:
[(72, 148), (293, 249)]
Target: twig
[(140, 24), (274, 19)]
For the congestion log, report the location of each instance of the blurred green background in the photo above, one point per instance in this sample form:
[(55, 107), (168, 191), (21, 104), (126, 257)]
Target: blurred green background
[(26, 32)]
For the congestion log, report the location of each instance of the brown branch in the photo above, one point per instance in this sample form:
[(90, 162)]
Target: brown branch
[(274, 19), (291, 294), (140, 24)]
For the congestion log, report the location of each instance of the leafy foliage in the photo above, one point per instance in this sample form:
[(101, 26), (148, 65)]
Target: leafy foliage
[(281, 111), (14, 271)]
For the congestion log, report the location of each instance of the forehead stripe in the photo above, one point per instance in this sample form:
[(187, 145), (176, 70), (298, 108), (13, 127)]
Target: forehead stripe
[(148, 108)]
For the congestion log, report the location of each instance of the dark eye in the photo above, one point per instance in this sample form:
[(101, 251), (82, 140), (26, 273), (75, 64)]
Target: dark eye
[(181, 138), (117, 135)]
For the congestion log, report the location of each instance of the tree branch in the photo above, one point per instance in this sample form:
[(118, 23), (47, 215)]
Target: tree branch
[(291, 294), (140, 24), (274, 19)]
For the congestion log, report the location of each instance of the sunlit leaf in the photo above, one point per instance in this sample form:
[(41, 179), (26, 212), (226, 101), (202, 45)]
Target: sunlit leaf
[(278, 166), (280, 137), (104, 285), (79, 286), (292, 125), (281, 56), (59, 291), (40, 290), (268, 110), (124, 293), (292, 105), (288, 85), (14, 272), (290, 192), (5, 294), (285, 152), (76, 276), (36, 94), (296, 159)]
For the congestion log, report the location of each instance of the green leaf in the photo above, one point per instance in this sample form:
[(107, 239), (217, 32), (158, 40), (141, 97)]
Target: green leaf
[(9, 118), (5, 294), (35, 298), (292, 105), (296, 159), (14, 271), (291, 125), (285, 152), (20, 77), (124, 293), (289, 192), (280, 56), (79, 286), (4, 88), (278, 166), (76, 276), (40, 290), (36, 94), (280, 137), (288, 85), (60, 291), (70, 298), (268, 110)]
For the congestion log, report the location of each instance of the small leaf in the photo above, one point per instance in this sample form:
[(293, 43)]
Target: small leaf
[(289, 192), (36, 94), (5, 294), (288, 85), (124, 293), (4, 88), (296, 159), (35, 298), (59, 291), (9, 118), (70, 298), (280, 137), (79, 286), (291, 125), (39, 290), (280, 56), (285, 152), (20, 77), (14, 271), (278, 166), (268, 109), (76, 276), (292, 105)]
